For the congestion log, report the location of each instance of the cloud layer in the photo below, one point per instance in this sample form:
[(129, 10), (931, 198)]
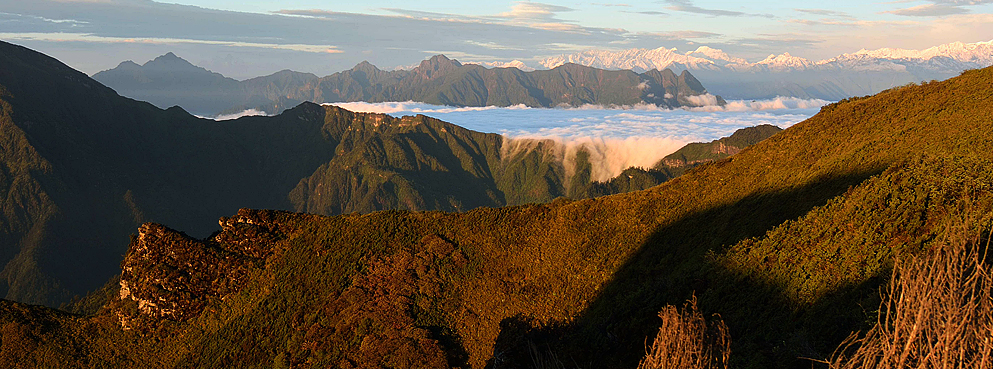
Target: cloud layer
[(616, 138)]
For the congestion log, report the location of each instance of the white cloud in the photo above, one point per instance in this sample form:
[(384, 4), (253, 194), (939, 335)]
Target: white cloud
[(929, 10), (616, 138), (778, 103), (83, 37), (245, 113), (533, 11)]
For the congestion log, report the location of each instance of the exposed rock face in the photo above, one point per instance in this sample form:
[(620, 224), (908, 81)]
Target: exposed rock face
[(169, 275)]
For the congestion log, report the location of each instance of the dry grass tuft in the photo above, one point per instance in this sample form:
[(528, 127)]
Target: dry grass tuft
[(686, 341), (938, 312)]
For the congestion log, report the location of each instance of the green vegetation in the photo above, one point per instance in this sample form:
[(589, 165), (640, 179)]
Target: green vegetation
[(788, 240), (698, 153), (937, 311), (169, 80)]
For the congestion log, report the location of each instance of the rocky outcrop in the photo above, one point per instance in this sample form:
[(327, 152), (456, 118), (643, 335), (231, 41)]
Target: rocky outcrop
[(169, 275)]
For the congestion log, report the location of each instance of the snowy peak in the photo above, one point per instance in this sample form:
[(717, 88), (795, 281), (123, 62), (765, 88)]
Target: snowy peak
[(978, 52), (511, 64), (716, 55), (955, 56), (785, 62), (639, 60)]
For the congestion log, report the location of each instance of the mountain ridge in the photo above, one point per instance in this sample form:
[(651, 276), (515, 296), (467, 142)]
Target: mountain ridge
[(864, 72), (980, 53), (437, 80)]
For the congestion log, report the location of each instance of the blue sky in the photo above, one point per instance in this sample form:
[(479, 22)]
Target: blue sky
[(249, 38)]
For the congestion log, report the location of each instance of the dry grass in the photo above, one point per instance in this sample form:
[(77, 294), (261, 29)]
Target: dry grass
[(937, 312), (687, 341)]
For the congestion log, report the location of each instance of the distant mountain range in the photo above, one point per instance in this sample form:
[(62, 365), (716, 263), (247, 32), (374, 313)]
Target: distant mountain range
[(860, 73), (82, 167), (169, 80)]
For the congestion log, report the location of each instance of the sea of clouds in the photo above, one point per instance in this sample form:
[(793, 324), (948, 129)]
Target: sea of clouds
[(617, 137)]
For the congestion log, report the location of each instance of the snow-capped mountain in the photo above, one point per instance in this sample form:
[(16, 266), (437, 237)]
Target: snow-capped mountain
[(784, 62), (978, 54), (511, 64), (717, 56), (639, 60), (859, 73)]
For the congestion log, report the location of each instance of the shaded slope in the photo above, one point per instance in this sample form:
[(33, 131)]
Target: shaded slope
[(784, 240), (100, 164)]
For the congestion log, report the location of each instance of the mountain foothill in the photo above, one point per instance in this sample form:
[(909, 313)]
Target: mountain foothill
[(788, 236)]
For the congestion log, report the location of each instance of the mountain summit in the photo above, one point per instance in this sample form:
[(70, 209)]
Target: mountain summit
[(169, 80)]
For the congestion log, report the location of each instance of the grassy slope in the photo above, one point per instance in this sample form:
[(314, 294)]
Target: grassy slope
[(785, 240)]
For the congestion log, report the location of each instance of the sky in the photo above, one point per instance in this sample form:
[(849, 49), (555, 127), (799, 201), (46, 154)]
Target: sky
[(243, 39)]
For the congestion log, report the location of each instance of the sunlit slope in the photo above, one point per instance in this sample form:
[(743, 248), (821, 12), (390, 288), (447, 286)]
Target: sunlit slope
[(784, 240)]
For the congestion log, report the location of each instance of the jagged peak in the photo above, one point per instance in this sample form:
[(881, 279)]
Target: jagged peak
[(169, 56), (169, 59), (366, 67), (128, 64), (440, 60), (436, 63), (363, 65)]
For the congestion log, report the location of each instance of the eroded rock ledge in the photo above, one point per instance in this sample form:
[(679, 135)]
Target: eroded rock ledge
[(169, 275)]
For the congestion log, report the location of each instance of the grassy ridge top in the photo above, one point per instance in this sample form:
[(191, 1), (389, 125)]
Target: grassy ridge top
[(786, 240)]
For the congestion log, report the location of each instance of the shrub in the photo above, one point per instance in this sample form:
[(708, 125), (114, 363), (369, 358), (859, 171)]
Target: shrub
[(687, 341), (938, 312)]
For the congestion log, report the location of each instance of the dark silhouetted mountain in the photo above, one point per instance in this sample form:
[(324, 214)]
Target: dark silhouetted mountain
[(168, 81)]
